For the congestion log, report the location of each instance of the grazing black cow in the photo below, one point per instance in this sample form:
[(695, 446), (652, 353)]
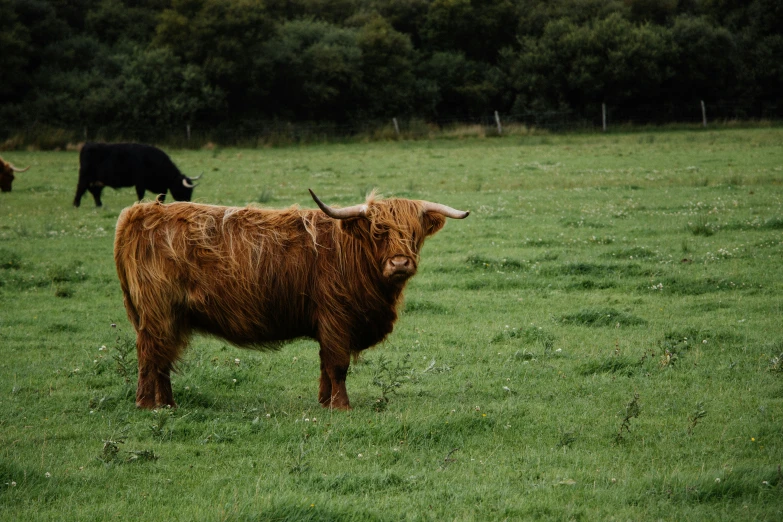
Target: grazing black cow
[(129, 165)]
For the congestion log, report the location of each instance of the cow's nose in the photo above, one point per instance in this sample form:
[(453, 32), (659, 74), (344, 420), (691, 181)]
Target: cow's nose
[(400, 263), (399, 267)]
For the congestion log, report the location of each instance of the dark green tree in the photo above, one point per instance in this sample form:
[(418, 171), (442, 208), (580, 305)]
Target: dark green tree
[(705, 62), (223, 38), (577, 68), (478, 29), (314, 70), (15, 54), (459, 87), (534, 15), (112, 20), (133, 64), (406, 16), (387, 64)]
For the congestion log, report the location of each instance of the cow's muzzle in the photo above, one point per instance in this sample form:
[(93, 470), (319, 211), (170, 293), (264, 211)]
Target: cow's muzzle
[(399, 268)]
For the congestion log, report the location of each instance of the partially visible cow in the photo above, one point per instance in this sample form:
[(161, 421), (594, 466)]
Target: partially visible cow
[(258, 277), (129, 165), (7, 174)]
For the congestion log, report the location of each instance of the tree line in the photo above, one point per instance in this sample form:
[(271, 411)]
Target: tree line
[(130, 66)]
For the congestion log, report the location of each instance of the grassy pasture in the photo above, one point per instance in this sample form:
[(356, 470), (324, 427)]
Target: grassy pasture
[(600, 339)]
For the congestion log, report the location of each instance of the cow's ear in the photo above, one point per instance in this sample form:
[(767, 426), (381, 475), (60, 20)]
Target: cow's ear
[(432, 222), (355, 226)]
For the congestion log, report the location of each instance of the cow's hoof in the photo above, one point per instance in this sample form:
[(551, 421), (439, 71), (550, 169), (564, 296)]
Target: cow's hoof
[(152, 405), (334, 406)]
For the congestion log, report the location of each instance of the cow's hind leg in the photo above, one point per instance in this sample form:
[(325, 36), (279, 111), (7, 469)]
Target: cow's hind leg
[(155, 363), (325, 385)]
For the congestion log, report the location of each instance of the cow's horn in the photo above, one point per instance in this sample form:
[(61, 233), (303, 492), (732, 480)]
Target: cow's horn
[(197, 177), (445, 210), (17, 169), (186, 183), (340, 213)]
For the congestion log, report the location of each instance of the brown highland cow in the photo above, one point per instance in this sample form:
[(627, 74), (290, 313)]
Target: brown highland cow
[(258, 277), (7, 175)]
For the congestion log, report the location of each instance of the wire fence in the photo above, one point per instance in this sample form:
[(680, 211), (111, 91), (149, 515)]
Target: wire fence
[(263, 132)]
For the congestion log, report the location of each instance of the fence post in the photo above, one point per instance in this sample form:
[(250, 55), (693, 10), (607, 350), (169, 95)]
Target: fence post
[(603, 115), (497, 120), (85, 133), (187, 130), (396, 126), (703, 114)]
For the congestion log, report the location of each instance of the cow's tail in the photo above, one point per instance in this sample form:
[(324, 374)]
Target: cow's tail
[(125, 270), (153, 299)]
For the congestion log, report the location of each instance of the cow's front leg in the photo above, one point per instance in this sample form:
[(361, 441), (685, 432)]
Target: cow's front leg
[(140, 189), (332, 392), (96, 191)]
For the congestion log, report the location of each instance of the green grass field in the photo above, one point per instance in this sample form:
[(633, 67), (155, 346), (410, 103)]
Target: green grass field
[(600, 340)]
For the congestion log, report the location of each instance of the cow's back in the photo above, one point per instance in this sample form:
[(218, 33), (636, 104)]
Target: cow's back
[(227, 271), (113, 164)]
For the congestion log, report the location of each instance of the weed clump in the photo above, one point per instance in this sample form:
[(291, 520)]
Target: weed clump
[(389, 378), (487, 263), (735, 483), (632, 410), (110, 451), (125, 364), (530, 335), (630, 253), (9, 260), (414, 306), (566, 438), (698, 414), (581, 223), (602, 317), (617, 365), (776, 364), (160, 428), (111, 454), (589, 284), (300, 465), (694, 286), (774, 223), (598, 270), (265, 196), (71, 273), (701, 227), (64, 291)]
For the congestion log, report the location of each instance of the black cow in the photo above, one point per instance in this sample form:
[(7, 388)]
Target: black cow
[(129, 165)]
